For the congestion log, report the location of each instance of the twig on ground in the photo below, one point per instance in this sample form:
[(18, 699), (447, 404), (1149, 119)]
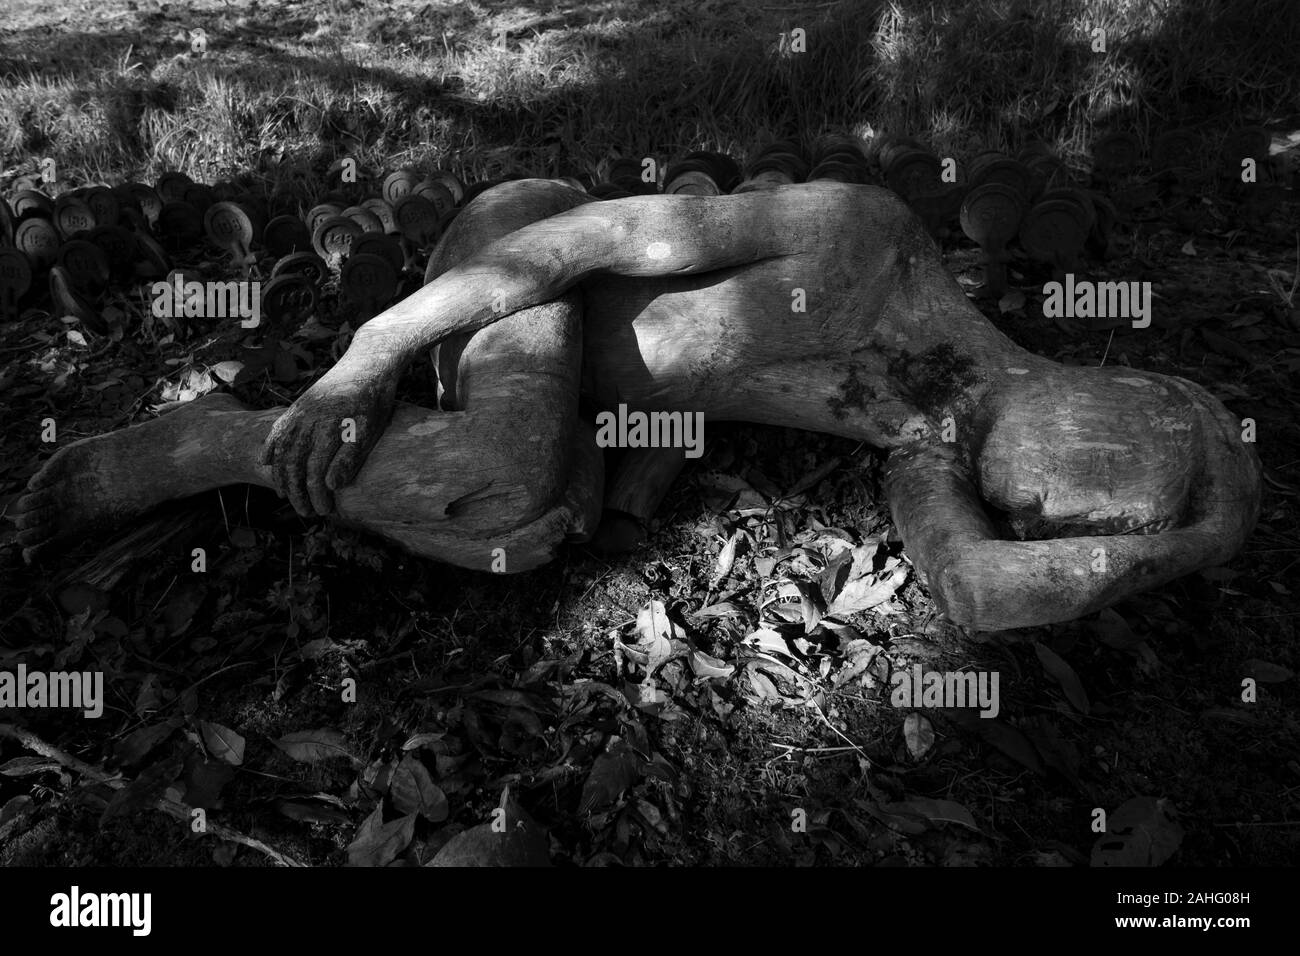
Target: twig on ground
[(173, 808)]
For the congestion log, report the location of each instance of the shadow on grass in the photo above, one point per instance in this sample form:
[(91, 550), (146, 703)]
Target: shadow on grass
[(552, 92)]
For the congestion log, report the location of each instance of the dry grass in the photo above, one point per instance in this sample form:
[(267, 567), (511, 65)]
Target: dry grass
[(110, 91)]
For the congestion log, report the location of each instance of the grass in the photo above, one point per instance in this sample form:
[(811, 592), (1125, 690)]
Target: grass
[(117, 92)]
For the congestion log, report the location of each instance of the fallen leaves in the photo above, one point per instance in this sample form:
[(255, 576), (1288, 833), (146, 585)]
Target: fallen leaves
[(512, 839), (707, 666), (1143, 831), (726, 561), (1266, 672), (222, 742), (865, 586), (413, 791), (652, 644), (613, 772), (915, 815), (377, 843), (918, 734), (1064, 675), (315, 746)]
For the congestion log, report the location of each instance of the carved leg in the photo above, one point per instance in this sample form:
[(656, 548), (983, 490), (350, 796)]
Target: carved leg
[(514, 470), (453, 486)]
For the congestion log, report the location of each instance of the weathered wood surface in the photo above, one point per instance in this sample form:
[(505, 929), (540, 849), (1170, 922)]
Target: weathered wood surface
[(684, 303)]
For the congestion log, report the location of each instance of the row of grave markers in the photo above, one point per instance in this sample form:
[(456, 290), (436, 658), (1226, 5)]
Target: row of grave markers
[(997, 199), (372, 233), (91, 238)]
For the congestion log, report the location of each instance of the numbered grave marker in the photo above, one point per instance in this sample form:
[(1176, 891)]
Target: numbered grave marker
[(417, 219), (685, 180), (398, 185), (38, 240), (318, 214), (938, 206), (385, 213), (830, 147), (839, 172), (290, 296), (146, 200), (179, 224), (370, 282), (255, 208), (764, 179), (1055, 231), (132, 219), (306, 264), (608, 170), (892, 147), (286, 234), (449, 183), (378, 244), (229, 226), (911, 172), (364, 218), (851, 160), (171, 186), (15, 280), (696, 177), (85, 265), (990, 216), (29, 202), (1000, 169), (791, 166), (722, 169), (1081, 198), (985, 156), (200, 196), (783, 146), (73, 216), (334, 237), (1047, 172), (103, 205), (118, 246)]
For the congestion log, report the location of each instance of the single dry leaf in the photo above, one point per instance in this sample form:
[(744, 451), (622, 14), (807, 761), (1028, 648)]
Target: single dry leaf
[(918, 734)]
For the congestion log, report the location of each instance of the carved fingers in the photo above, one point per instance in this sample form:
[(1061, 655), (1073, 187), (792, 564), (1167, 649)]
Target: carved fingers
[(319, 445)]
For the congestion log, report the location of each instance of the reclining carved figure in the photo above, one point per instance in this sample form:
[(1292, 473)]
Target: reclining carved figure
[(683, 303)]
